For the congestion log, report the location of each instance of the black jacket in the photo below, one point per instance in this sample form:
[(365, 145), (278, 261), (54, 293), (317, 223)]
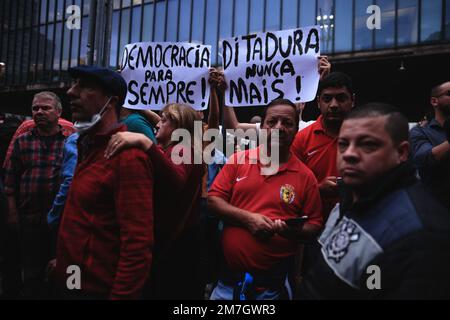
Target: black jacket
[(399, 229)]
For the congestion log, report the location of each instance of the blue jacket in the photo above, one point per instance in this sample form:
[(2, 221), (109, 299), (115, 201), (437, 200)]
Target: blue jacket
[(436, 175), (70, 153)]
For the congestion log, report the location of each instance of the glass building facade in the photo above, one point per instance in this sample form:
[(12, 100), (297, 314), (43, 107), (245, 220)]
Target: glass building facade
[(37, 47)]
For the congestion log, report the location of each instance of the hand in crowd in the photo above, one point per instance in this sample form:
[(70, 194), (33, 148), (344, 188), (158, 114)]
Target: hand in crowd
[(300, 106), (284, 230), (260, 226), (126, 140), (423, 122), (324, 66), (217, 79), (328, 187)]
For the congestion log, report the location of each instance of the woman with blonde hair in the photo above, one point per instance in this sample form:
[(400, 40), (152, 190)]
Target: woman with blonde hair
[(176, 198)]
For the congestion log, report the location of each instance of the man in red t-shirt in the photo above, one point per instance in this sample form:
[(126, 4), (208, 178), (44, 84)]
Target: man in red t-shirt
[(257, 242), (316, 145)]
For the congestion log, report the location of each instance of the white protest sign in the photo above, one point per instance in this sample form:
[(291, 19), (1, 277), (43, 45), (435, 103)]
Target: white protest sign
[(158, 73), (266, 66)]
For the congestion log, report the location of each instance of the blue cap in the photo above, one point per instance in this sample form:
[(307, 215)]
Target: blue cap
[(111, 81)]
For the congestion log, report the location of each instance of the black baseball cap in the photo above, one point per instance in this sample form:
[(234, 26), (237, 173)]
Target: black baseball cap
[(111, 81)]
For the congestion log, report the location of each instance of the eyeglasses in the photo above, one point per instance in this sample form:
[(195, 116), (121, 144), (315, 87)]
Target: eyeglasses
[(445, 93)]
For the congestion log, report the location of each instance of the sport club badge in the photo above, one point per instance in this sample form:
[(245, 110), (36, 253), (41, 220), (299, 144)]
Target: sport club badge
[(287, 194)]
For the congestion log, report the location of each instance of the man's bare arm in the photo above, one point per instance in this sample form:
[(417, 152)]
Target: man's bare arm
[(441, 152), (151, 116)]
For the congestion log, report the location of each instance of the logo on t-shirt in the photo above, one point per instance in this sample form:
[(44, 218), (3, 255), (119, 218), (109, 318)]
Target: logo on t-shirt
[(340, 240), (310, 153), (287, 193)]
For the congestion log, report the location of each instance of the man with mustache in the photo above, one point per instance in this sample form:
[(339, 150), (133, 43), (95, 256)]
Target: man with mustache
[(430, 145), (316, 145), (388, 238), (31, 182), (258, 242)]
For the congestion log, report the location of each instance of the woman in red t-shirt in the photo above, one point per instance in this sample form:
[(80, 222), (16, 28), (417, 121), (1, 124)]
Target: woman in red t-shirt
[(178, 182)]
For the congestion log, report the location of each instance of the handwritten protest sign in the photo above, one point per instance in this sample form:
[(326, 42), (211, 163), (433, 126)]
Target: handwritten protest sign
[(158, 73), (262, 67)]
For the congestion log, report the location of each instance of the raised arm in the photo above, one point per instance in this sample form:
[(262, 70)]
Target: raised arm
[(175, 174), (215, 82), (151, 116)]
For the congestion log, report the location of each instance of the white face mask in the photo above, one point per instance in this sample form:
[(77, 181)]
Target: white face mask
[(83, 126)]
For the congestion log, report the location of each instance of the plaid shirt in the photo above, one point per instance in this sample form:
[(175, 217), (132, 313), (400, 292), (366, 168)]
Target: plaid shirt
[(32, 175), (107, 224), (66, 128)]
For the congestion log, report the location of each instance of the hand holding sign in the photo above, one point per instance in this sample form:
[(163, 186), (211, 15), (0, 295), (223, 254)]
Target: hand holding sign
[(262, 67), (217, 79)]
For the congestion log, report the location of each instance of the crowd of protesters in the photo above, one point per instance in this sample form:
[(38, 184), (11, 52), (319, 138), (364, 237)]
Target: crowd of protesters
[(103, 208)]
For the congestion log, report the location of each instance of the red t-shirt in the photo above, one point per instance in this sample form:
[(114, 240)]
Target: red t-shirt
[(290, 193), (318, 151), (177, 193)]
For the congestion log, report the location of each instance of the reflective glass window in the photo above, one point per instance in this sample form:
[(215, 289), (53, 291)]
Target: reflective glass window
[(290, 11), (307, 13), (197, 21), (172, 20), (185, 23), (431, 20), (147, 28), (51, 10), (66, 48), (211, 28), (60, 9), (447, 19), (49, 49), (343, 26), (363, 35), (407, 22), (84, 40), (160, 20), (136, 24), (43, 10), (385, 37), (273, 15), (124, 31), (256, 16), (75, 46), (114, 39), (325, 19), (57, 46), (240, 17)]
